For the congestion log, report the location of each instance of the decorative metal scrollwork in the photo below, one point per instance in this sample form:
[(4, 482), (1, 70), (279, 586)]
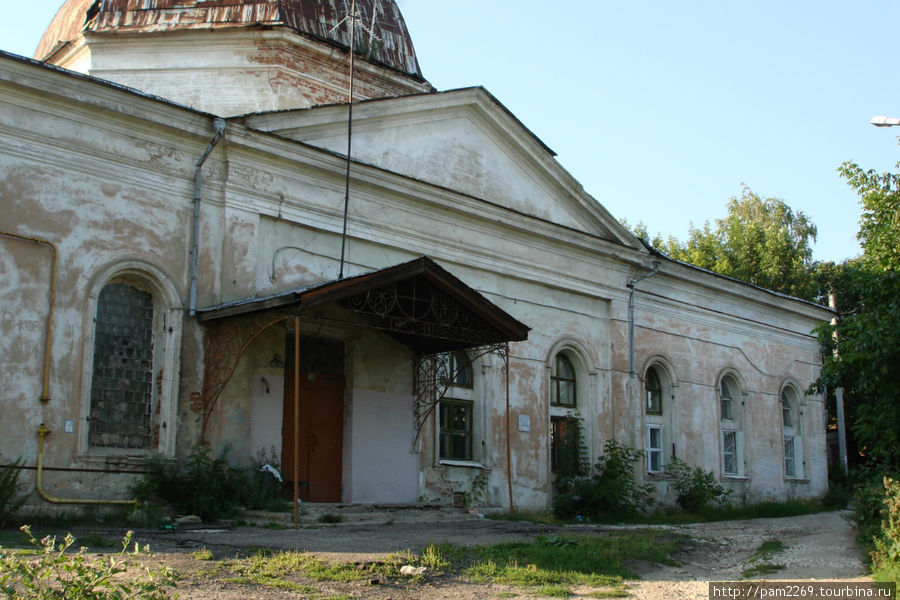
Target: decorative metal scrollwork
[(433, 379)]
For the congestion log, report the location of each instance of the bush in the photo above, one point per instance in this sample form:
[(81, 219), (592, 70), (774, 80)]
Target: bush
[(886, 556), (612, 492), (868, 503), (207, 487), (10, 501), (51, 573), (840, 489), (694, 488)]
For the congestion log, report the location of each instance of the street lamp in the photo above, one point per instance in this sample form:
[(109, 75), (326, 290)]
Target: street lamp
[(881, 121)]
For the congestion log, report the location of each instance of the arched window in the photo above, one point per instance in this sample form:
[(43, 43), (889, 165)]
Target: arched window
[(790, 426), (562, 382), (121, 400), (132, 350), (732, 438), (658, 420), (457, 366), (654, 392)]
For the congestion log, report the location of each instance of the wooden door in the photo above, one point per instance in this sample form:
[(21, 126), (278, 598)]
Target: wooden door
[(321, 435)]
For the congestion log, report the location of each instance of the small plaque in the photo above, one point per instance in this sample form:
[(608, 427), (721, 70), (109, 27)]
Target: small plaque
[(69, 426), (524, 422)]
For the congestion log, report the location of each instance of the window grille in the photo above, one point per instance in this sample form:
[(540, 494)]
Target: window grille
[(122, 379), (790, 469), (729, 453)]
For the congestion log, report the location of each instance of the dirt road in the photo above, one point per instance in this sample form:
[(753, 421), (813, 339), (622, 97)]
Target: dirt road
[(815, 547)]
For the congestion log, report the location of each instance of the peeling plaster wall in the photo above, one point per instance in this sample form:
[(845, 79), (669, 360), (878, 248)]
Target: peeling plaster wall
[(111, 192), (107, 176), (251, 70)]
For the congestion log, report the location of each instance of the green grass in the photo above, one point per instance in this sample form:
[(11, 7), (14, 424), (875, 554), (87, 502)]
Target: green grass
[(597, 560), (617, 591), (767, 549), (761, 558), (548, 566), (554, 591), (202, 554), (274, 525)]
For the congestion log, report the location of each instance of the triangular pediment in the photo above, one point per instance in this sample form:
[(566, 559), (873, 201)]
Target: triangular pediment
[(462, 140)]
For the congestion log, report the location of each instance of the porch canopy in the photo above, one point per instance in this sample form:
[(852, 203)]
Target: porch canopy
[(418, 302)]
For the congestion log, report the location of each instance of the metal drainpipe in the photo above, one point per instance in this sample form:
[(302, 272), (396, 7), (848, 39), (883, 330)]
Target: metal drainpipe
[(219, 125), (631, 314)]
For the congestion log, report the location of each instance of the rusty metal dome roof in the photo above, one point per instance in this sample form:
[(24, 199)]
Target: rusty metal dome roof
[(381, 36)]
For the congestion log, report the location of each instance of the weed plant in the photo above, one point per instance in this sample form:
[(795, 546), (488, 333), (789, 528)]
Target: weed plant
[(51, 572), (207, 486), (10, 500)]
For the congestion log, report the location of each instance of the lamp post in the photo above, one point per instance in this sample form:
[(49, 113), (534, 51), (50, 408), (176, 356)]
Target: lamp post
[(881, 121)]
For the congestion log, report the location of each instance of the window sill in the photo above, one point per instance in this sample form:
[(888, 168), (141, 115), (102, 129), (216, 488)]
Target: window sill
[(735, 478), (111, 458), (461, 463), (658, 476), (796, 480)]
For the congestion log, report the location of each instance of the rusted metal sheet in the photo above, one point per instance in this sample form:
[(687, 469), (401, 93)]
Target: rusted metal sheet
[(381, 34)]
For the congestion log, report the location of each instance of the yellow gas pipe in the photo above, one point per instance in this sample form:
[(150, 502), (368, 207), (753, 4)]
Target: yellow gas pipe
[(45, 381), (42, 432), (45, 390)]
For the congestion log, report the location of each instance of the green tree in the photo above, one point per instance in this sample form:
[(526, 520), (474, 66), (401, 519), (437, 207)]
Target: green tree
[(761, 241), (868, 331), (879, 231)]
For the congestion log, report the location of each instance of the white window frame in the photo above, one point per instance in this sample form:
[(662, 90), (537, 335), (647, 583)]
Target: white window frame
[(731, 424), (473, 394), (792, 434), (654, 451)]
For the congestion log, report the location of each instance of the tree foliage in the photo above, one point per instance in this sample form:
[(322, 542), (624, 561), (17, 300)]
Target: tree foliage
[(760, 241), (867, 365)]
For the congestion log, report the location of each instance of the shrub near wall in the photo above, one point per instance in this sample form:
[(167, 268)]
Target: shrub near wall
[(612, 492), (886, 556), (10, 501)]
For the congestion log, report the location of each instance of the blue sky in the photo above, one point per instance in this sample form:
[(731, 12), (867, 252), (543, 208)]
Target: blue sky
[(662, 110)]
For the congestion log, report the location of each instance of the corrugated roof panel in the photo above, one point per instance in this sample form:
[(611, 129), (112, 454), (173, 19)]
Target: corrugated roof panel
[(381, 35)]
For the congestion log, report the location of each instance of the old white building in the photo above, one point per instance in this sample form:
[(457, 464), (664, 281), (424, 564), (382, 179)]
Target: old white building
[(173, 184)]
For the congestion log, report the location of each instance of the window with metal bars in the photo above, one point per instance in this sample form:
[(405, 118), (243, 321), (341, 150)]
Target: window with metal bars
[(122, 375)]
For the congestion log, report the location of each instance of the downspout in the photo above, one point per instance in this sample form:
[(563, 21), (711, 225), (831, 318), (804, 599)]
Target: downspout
[(219, 125), (45, 378), (631, 314)]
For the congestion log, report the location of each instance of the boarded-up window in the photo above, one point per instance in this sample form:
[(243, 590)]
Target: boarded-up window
[(122, 378)]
